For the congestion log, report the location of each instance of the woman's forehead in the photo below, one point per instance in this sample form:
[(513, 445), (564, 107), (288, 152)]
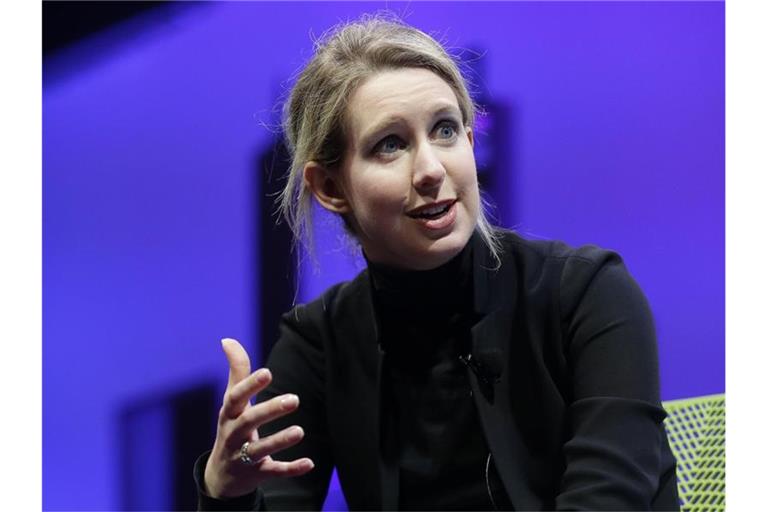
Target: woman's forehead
[(403, 94)]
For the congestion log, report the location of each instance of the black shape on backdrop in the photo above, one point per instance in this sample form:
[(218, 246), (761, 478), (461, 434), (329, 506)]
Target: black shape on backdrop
[(493, 132), (277, 266), (167, 432), (192, 435), (65, 23)]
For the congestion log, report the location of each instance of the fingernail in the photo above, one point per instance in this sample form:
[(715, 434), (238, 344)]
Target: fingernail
[(289, 401), (294, 434), (262, 375), (308, 464)]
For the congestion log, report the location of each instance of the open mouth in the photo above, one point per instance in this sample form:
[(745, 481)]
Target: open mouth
[(433, 211)]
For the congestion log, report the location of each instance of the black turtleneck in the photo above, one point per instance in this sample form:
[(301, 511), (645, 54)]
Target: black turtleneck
[(433, 430)]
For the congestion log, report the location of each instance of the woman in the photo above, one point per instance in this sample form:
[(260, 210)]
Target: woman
[(466, 368)]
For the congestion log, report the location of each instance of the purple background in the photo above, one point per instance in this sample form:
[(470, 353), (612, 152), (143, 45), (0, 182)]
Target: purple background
[(614, 136)]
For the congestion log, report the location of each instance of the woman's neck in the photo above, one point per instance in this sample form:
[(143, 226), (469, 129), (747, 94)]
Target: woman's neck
[(446, 288)]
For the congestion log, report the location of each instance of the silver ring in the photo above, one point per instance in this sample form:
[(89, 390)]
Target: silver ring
[(244, 457)]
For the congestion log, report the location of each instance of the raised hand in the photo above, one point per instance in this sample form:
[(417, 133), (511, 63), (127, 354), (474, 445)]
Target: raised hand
[(240, 459)]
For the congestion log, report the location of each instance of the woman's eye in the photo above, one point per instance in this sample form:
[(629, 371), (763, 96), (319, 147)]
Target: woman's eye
[(389, 145), (446, 130)]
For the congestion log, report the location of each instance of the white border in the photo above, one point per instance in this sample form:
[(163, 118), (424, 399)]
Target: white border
[(746, 215), (20, 254)]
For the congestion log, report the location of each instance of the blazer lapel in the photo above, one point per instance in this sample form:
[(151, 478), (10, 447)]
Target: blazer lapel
[(372, 471), (495, 300)]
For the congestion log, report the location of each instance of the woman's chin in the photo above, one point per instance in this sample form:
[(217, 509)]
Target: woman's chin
[(414, 250), (441, 251)]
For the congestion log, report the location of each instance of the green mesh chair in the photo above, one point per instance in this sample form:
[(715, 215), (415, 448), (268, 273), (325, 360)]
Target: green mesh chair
[(696, 431)]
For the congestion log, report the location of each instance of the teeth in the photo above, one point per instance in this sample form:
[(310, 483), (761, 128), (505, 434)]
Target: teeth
[(434, 210)]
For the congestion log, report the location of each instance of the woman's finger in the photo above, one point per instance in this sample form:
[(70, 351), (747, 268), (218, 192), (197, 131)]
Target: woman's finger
[(237, 398), (274, 468), (239, 362), (260, 414), (276, 442)]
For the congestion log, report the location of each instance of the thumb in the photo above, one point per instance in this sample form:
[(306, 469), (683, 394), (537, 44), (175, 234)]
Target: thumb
[(239, 363)]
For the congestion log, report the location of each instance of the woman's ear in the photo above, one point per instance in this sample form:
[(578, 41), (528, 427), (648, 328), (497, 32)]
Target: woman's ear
[(326, 188), (470, 136)]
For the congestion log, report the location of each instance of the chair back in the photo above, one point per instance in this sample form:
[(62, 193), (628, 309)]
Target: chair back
[(696, 431)]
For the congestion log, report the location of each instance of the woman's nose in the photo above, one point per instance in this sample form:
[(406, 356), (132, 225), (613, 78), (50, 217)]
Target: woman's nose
[(428, 169)]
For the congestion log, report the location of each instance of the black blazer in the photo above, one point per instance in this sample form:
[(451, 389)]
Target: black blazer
[(573, 423)]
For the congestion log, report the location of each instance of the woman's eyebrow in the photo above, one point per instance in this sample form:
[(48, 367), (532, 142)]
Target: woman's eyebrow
[(384, 125), (395, 121), (446, 109)]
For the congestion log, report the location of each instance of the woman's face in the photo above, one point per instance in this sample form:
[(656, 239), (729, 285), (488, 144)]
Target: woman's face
[(409, 171)]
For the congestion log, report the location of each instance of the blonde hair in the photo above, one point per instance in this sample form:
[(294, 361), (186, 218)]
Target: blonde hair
[(314, 114)]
